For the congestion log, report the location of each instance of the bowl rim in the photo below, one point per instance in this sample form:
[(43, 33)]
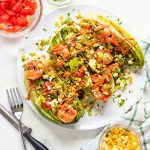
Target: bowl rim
[(26, 30), (59, 3), (107, 128)]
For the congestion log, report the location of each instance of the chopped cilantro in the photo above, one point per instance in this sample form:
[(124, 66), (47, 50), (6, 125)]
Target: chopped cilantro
[(44, 29), (74, 63), (122, 102), (119, 21)]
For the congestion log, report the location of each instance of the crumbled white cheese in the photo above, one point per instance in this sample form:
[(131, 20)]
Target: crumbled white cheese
[(49, 88), (79, 38), (77, 84), (130, 62), (96, 44), (115, 74), (45, 76), (54, 102), (79, 79), (101, 47), (69, 35), (118, 81), (89, 82), (50, 78), (91, 51), (122, 84), (87, 73), (92, 63), (59, 100)]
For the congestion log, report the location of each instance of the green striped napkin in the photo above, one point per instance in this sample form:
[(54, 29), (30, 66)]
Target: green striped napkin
[(139, 116)]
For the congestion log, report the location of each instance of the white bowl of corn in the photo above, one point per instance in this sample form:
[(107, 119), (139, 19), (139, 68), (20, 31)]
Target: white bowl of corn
[(118, 137)]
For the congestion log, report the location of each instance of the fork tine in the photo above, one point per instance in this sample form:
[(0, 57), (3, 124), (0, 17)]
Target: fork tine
[(12, 98), (19, 96), (9, 99), (15, 97)]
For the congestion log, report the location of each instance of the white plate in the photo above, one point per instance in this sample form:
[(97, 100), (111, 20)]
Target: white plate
[(110, 112)]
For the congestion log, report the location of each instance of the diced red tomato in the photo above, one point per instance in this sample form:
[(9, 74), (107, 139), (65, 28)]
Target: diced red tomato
[(17, 28), (11, 13), (32, 4), (2, 6), (3, 1), (46, 105), (13, 28), (13, 20), (17, 7), (16, 14), (29, 19), (4, 18), (27, 11), (13, 2), (22, 20)]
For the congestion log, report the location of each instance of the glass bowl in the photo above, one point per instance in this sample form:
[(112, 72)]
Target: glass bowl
[(102, 135), (35, 20)]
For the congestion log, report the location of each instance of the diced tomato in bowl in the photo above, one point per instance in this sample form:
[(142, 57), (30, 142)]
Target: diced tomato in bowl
[(17, 17)]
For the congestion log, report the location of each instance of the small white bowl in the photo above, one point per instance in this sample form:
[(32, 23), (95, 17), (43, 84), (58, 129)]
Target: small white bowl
[(102, 134)]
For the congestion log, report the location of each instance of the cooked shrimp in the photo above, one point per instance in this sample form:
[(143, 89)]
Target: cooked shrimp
[(111, 68), (101, 93), (112, 40), (105, 97), (122, 50), (59, 64), (105, 34), (96, 92), (85, 30), (34, 70), (97, 79), (106, 89), (104, 56), (80, 72), (61, 50), (32, 64), (67, 74), (107, 77), (66, 113), (33, 74)]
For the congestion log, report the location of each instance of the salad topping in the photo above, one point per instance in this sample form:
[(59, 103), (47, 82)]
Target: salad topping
[(86, 63)]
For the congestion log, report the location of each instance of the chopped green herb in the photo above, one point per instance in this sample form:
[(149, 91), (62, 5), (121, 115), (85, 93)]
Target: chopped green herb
[(44, 29), (23, 57), (119, 21), (75, 63), (122, 102)]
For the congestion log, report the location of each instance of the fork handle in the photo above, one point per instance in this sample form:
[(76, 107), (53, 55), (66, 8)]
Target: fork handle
[(35, 143), (22, 138)]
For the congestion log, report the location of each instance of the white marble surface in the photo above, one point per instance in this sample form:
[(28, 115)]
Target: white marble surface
[(135, 13)]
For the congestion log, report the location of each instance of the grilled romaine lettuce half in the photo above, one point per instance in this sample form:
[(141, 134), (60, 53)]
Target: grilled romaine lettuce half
[(127, 40), (37, 100), (123, 37)]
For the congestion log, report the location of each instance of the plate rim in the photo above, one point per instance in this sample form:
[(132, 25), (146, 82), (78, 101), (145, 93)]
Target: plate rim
[(31, 105)]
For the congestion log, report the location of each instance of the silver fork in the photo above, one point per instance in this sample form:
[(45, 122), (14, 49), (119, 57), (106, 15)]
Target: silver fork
[(16, 105)]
